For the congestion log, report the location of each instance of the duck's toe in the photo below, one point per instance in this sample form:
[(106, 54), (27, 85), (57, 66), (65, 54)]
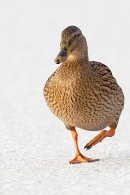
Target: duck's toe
[(99, 138), (81, 158)]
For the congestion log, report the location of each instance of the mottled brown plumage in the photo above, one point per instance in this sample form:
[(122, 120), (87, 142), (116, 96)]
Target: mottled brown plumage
[(83, 93)]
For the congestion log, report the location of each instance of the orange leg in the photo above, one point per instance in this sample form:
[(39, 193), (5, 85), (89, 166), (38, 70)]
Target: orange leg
[(99, 138), (78, 156)]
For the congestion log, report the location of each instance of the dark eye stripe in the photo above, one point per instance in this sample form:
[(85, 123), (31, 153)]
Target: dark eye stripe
[(71, 40)]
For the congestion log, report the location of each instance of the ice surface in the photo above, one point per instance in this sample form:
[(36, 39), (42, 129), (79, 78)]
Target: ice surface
[(35, 147)]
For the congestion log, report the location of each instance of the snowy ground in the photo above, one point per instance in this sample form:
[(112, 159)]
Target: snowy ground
[(35, 147)]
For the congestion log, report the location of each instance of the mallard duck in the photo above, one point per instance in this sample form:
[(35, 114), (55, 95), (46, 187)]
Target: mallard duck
[(83, 93)]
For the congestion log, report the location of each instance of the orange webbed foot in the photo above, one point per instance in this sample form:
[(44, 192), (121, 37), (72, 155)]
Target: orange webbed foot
[(81, 158), (99, 138)]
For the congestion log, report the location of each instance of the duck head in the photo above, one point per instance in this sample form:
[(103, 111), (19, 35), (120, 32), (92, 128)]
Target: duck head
[(73, 45)]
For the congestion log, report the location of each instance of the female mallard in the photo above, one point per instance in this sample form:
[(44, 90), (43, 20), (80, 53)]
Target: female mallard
[(83, 93)]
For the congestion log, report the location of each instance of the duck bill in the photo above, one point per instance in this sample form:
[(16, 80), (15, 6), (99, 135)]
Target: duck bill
[(62, 56)]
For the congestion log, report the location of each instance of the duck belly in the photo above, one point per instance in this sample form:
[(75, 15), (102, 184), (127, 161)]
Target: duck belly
[(86, 109)]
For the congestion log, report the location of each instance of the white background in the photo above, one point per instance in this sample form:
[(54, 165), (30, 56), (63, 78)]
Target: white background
[(35, 147)]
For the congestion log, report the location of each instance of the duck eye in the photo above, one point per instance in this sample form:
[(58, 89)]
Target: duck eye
[(65, 48), (75, 36)]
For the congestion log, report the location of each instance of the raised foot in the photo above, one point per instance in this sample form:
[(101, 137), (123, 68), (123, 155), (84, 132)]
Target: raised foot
[(94, 141), (99, 138), (80, 158)]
